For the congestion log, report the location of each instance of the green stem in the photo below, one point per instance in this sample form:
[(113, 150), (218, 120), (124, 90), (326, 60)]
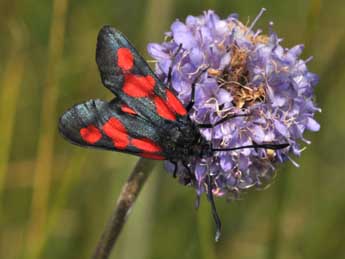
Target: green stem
[(12, 80), (45, 150), (277, 216), (206, 231), (129, 194)]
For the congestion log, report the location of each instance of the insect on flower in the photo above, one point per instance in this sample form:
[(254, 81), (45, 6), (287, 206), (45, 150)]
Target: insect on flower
[(145, 118)]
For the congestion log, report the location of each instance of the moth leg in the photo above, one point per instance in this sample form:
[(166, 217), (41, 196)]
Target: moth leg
[(190, 174), (213, 207), (175, 169), (169, 76), (195, 81), (197, 201)]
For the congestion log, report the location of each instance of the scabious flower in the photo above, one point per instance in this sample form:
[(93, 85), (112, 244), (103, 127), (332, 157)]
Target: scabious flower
[(249, 74)]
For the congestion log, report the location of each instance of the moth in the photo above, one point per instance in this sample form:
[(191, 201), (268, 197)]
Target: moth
[(145, 118)]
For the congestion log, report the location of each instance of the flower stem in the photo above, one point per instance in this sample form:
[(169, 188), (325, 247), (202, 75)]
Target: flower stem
[(275, 237), (129, 194)]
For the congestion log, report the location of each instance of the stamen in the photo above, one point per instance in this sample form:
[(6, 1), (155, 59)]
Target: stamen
[(257, 33), (270, 27), (293, 162), (256, 19), (308, 60)]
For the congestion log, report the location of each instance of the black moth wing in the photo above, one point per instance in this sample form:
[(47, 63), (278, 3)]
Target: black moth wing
[(111, 126), (145, 118), (121, 65), (109, 41)]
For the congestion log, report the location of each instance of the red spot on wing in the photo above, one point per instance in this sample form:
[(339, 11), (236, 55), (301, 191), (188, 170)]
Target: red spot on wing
[(125, 108), (91, 134), (138, 86), (152, 156), (146, 145), (125, 58), (115, 130), (162, 109), (175, 103)]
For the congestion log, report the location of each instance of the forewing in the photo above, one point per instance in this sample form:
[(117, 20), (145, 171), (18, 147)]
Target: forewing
[(113, 126), (129, 77)]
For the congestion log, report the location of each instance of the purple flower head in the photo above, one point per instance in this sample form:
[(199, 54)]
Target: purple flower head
[(245, 73)]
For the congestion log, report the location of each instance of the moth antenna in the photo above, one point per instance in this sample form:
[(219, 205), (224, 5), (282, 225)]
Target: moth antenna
[(268, 146), (209, 125)]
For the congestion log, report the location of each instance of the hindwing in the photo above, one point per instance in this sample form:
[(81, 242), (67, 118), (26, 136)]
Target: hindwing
[(113, 126)]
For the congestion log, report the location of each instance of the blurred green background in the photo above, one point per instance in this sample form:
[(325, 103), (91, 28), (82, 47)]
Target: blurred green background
[(55, 198)]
